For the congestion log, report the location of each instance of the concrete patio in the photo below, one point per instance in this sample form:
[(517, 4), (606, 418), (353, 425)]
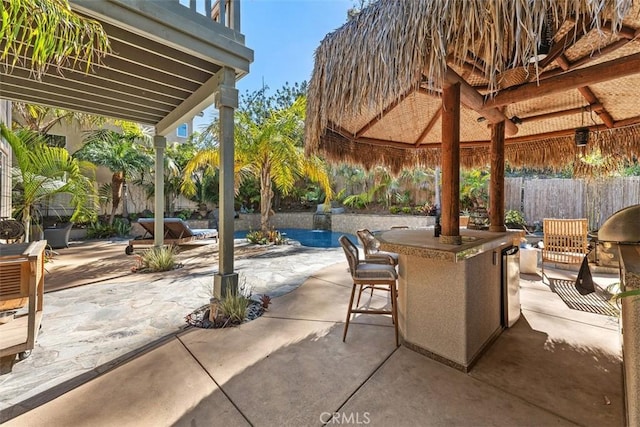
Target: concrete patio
[(556, 366)]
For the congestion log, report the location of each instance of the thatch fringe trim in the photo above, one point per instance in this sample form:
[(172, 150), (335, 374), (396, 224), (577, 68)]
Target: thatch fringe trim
[(381, 54), (616, 146)]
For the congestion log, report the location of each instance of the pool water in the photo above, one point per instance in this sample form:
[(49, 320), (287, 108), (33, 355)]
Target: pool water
[(311, 238)]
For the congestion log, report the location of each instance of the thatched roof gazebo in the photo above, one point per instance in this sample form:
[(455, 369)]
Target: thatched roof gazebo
[(473, 83)]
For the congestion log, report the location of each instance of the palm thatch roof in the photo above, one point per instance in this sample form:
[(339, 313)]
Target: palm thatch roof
[(374, 96)]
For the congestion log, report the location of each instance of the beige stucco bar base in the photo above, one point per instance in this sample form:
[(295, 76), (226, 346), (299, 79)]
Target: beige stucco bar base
[(449, 296)]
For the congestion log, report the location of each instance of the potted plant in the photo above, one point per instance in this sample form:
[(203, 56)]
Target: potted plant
[(464, 218)]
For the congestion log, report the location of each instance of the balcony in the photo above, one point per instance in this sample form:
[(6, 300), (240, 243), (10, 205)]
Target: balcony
[(163, 67)]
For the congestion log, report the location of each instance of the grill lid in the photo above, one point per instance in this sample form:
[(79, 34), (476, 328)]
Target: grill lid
[(623, 226)]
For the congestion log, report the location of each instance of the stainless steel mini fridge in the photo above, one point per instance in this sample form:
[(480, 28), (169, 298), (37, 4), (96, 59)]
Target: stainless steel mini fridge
[(510, 286)]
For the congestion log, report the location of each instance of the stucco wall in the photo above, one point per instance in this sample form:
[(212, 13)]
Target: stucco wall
[(137, 199), (341, 223)]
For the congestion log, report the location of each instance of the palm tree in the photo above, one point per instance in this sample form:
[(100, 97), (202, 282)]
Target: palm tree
[(268, 150), (43, 172), (120, 153), (176, 156)]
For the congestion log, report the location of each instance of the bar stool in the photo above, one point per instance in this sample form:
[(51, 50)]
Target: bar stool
[(371, 252), (366, 274)]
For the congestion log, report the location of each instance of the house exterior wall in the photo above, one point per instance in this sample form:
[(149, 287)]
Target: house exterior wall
[(137, 198), (5, 163)]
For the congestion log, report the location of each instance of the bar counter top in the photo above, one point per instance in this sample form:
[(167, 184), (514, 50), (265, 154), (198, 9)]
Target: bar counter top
[(422, 243)]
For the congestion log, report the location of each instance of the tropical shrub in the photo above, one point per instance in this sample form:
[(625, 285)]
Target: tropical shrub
[(259, 237), (99, 230), (121, 227), (513, 217), (159, 258), (184, 214), (234, 306), (427, 209), (41, 172)]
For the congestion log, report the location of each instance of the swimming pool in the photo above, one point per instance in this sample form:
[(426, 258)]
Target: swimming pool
[(311, 238)]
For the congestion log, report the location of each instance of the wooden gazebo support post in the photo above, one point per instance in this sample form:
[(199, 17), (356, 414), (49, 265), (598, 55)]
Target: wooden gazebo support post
[(496, 186), (450, 162)]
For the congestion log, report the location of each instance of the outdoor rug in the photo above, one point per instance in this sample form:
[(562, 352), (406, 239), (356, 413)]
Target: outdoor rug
[(597, 302)]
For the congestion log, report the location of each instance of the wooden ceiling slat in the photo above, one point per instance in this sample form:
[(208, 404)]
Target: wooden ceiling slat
[(110, 78), (157, 49), (88, 85), (46, 88), (157, 64), (102, 110), (9, 85)]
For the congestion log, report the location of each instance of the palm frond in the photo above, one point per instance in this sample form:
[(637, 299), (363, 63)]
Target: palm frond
[(39, 34)]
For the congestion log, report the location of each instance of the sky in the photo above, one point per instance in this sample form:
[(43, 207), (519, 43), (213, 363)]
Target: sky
[(284, 35)]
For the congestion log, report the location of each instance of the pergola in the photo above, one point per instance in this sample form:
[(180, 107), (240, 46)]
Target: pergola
[(451, 84), (167, 63)]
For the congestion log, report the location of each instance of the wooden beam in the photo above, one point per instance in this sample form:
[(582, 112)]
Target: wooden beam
[(483, 143), (585, 59), (568, 40), (496, 184), (627, 122), (624, 31), (430, 126), (472, 99), (610, 48), (591, 97), (604, 115), (592, 107), (605, 71), (450, 160)]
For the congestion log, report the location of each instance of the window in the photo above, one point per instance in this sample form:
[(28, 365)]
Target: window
[(182, 131)]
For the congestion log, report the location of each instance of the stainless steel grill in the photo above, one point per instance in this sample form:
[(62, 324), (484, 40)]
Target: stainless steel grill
[(623, 227)]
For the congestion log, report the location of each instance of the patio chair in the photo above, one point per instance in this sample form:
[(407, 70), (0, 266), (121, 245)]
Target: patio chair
[(58, 237), (21, 284), (176, 232), (365, 274), (565, 241), (371, 251)]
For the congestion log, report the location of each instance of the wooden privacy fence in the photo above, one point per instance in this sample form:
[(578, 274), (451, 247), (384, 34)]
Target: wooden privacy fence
[(595, 200)]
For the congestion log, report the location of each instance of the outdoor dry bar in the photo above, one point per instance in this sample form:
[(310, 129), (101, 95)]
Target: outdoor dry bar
[(449, 296)]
